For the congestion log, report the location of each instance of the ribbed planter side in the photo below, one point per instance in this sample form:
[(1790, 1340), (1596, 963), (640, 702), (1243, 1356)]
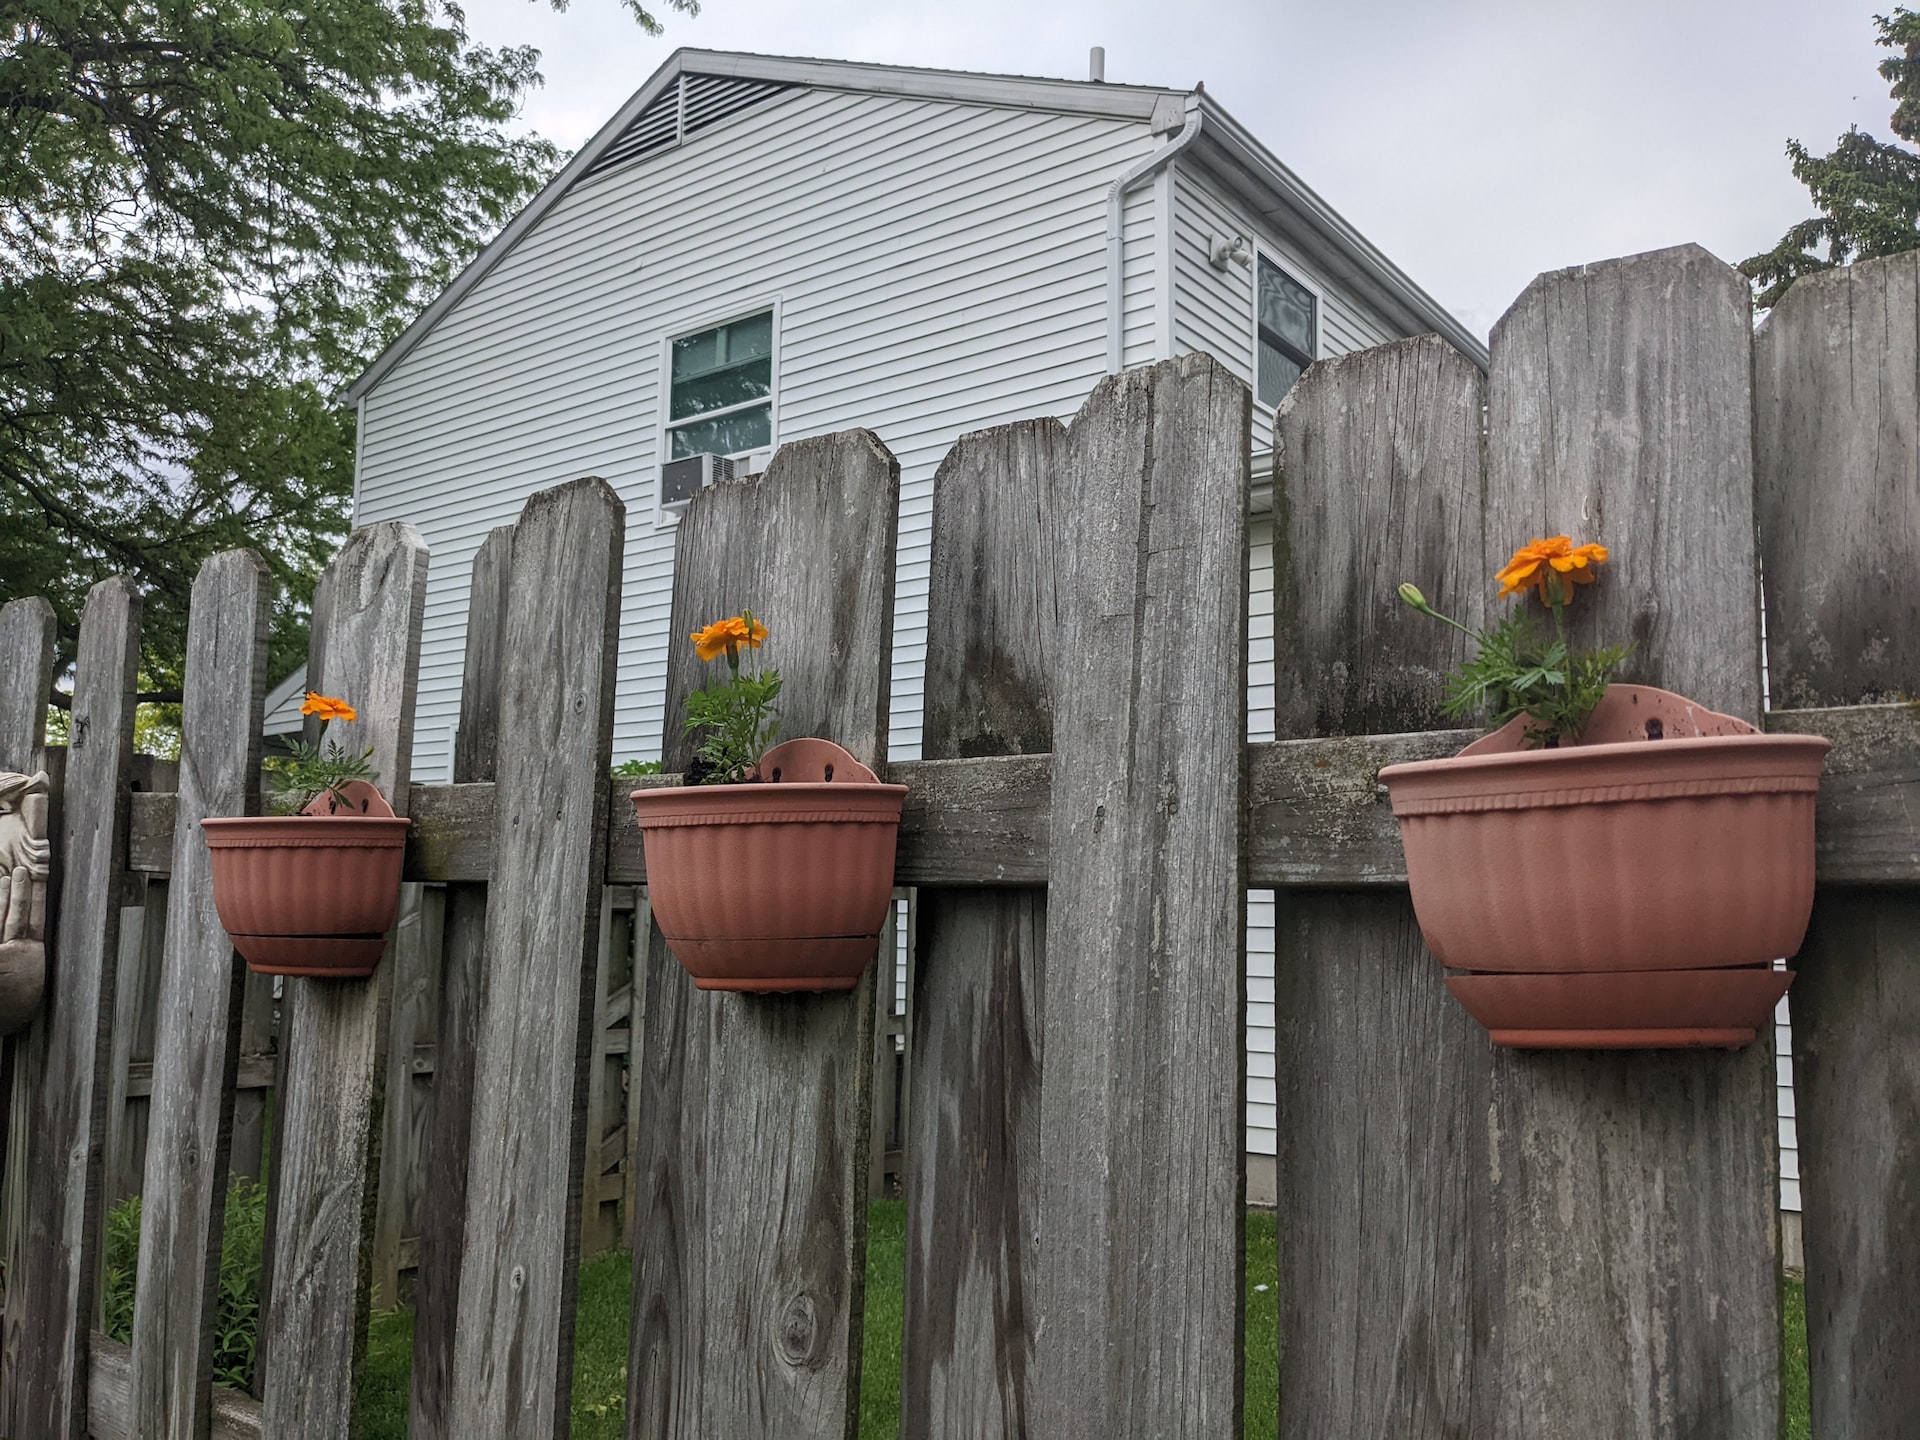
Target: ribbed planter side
[(307, 894), (1634, 892), (771, 887), (1676, 882)]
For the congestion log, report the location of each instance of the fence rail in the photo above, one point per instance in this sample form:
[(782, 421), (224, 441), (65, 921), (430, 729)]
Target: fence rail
[(1316, 817), (1473, 1241)]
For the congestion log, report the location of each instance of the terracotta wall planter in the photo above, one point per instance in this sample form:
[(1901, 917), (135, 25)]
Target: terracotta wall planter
[(310, 894), (1632, 890), (778, 885)]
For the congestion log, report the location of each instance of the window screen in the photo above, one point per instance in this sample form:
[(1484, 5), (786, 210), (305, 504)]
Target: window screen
[(721, 398), (1287, 326)]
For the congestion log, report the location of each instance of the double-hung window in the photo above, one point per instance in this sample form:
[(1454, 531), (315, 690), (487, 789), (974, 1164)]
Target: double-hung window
[(1287, 323), (720, 397)]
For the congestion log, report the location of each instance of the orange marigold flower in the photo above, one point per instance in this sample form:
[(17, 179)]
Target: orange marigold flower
[(1552, 567), (328, 707), (727, 636)]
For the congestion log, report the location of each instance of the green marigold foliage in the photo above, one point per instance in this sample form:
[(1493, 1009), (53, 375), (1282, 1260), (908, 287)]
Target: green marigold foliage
[(1520, 670)]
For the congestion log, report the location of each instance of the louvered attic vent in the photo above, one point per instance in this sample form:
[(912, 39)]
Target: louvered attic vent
[(692, 104)]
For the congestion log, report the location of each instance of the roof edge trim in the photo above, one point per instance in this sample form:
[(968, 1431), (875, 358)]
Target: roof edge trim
[(1072, 97), (495, 250), (1393, 282)]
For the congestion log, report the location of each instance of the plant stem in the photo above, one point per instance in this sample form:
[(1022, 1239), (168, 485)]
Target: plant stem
[(1470, 634), (1558, 604)]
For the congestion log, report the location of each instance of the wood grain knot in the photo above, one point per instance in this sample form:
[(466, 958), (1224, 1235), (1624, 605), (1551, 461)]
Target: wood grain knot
[(800, 1335)]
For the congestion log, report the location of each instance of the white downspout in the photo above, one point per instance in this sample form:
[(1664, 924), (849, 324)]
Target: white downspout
[(1116, 204), (359, 455)]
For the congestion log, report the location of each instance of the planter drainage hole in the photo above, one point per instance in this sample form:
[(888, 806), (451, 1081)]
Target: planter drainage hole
[(829, 772), (1656, 730), (776, 774)]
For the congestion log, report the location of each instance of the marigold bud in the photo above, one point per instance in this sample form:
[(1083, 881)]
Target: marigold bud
[(1413, 597)]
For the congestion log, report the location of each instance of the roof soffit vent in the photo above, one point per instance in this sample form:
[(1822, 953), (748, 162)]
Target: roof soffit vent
[(691, 104)]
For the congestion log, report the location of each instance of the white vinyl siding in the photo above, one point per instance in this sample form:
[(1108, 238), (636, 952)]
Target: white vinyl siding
[(936, 267), (1261, 1118), (1783, 1097), (1213, 311), (939, 267), (1140, 306)]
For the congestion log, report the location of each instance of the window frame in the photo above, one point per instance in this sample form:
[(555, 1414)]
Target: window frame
[(699, 324), (1290, 268)]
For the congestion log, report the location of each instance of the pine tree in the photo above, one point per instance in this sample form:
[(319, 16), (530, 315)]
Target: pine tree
[(1866, 190)]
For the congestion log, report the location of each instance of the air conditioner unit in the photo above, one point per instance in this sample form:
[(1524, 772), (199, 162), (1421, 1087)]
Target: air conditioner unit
[(682, 479), (753, 463)]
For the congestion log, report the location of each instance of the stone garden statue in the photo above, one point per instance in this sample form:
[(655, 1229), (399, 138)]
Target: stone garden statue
[(25, 863)]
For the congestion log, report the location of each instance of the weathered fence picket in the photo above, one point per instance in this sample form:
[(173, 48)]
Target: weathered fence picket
[(749, 1236), (512, 1372), (886, 1112), (197, 1040), (1144, 1069), (1617, 409), (1619, 406), (1837, 455), (143, 936), (1473, 1241), (66, 1134), (418, 942), (26, 679), (463, 953), (366, 649), (973, 1142), (253, 1096), (603, 1179), (1381, 1103)]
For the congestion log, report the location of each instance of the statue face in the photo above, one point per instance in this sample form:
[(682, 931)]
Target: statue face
[(23, 843), (14, 789)]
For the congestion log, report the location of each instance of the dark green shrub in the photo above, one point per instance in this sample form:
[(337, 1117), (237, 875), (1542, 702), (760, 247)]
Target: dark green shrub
[(237, 1318)]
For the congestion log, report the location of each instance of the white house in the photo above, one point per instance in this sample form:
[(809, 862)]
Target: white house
[(758, 249)]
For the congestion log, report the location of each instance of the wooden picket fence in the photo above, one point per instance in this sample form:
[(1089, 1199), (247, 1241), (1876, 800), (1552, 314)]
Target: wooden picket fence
[(1474, 1242)]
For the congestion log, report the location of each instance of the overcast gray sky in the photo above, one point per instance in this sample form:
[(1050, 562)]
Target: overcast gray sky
[(1477, 142)]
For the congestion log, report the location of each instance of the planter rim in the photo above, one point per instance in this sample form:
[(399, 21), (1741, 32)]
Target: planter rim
[(1609, 773), (852, 802), (305, 832)]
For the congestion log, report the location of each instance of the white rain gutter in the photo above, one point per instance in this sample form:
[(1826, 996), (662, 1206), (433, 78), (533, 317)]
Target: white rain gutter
[(1132, 176)]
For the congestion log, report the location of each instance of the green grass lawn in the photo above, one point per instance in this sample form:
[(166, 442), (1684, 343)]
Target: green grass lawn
[(599, 1361), (1793, 1379), (600, 1354)]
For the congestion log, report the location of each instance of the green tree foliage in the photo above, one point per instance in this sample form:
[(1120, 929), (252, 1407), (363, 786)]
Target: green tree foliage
[(1867, 190), (213, 213)]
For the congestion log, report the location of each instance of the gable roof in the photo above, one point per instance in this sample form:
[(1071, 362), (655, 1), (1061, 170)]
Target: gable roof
[(721, 83)]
